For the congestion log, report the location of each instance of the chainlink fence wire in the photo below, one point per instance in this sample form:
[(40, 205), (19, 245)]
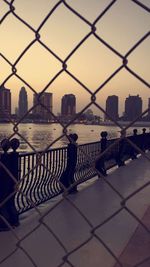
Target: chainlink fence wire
[(11, 11)]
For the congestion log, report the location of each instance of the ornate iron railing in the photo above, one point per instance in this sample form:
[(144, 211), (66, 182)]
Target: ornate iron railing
[(39, 173)]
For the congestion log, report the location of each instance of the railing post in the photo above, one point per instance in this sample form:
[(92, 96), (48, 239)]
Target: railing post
[(120, 162), (143, 140), (100, 163), (7, 184), (103, 141), (133, 152)]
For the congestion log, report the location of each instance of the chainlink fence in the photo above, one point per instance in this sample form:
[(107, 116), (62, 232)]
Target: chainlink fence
[(10, 6)]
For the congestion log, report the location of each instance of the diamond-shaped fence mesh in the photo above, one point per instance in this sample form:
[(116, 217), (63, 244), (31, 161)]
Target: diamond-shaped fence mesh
[(36, 168)]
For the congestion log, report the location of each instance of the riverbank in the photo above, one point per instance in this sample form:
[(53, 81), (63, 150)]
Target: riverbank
[(126, 123), (102, 123)]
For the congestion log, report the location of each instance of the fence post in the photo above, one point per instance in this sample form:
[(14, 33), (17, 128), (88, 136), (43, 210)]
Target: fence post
[(143, 142), (7, 184), (103, 141), (134, 139), (100, 163), (119, 158)]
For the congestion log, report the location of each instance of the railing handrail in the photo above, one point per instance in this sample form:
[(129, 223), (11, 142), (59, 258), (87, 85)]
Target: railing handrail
[(52, 149), (65, 147)]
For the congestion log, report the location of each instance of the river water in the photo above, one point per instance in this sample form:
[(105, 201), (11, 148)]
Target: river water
[(40, 136)]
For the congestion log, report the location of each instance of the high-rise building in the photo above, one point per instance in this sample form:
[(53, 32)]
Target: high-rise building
[(112, 107), (5, 103), (68, 105), (41, 111), (133, 107), (23, 102), (149, 108)]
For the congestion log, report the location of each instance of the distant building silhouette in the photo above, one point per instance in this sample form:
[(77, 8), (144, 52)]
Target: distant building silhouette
[(23, 102), (112, 107), (89, 116), (40, 112), (146, 117), (5, 103), (133, 107), (68, 105), (149, 108)]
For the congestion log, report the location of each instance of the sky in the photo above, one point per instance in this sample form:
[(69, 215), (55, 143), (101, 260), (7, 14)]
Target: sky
[(92, 63)]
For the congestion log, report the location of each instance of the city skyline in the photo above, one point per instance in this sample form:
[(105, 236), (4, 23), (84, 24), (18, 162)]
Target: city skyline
[(133, 106), (120, 106), (93, 63)]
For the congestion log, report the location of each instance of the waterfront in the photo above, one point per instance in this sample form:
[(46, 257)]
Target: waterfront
[(42, 135)]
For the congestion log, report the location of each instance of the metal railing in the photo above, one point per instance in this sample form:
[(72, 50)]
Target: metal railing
[(39, 174), (40, 180)]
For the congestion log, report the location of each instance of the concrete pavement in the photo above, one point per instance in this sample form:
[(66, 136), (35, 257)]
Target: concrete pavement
[(75, 226)]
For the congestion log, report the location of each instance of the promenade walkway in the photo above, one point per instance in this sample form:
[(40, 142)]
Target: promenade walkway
[(85, 245)]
